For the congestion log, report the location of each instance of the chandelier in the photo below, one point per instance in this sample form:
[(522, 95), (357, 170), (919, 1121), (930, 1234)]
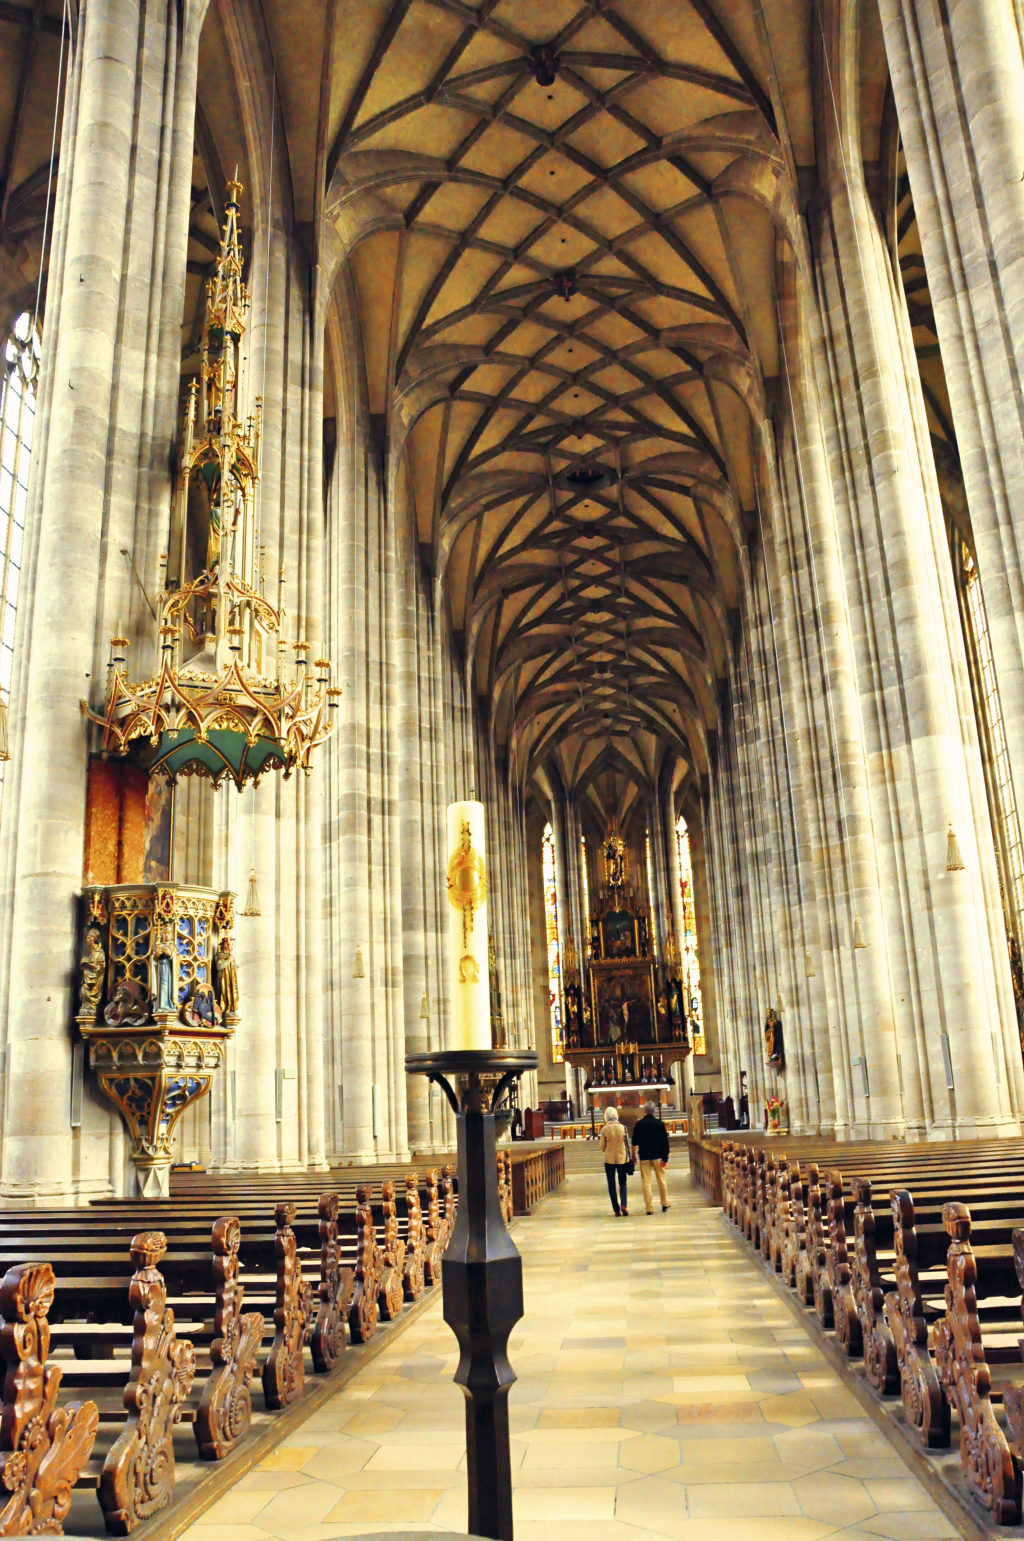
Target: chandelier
[(224, 699)]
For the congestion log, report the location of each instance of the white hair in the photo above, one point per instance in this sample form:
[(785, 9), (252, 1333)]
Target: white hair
[(610, 1115), (650, 1107)]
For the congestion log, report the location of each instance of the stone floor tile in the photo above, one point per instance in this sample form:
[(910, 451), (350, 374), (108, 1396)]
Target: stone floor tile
[(662, 1393)]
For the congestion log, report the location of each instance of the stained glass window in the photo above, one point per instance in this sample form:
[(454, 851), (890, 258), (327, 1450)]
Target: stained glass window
[(17, 416), (551, 935), (691, 963), (586, 895), (650, 896)]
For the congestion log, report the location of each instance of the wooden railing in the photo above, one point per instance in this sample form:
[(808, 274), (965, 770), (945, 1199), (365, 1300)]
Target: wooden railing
[(706, 1167), (534, 1174)]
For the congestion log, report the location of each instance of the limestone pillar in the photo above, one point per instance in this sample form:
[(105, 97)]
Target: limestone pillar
[(911, 671), (958, 81), (100, 475)]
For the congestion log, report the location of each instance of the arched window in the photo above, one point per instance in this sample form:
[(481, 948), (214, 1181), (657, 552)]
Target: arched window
[(586, 896), (551, 936), (691, 962), (17, 417), (650, 897)]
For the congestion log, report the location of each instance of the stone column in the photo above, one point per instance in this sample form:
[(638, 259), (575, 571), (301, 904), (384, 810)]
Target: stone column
[(958, 81), (100, 473), (910, 664)]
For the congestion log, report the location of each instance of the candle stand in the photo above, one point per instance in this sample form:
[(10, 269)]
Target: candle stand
[(482, 1273)]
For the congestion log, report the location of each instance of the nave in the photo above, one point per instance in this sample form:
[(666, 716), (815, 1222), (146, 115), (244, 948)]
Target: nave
[(663, 1390)]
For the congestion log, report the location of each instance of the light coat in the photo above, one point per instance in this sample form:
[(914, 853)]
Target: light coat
[(614, 1146)]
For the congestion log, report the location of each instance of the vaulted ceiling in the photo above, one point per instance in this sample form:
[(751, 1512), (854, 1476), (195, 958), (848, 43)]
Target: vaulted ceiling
[(573, 266)]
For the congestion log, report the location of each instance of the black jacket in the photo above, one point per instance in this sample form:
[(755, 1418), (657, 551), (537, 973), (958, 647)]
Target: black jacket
[(650, 1139)]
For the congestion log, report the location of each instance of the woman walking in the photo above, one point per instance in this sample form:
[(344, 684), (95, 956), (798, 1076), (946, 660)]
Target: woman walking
[(615, 1149)]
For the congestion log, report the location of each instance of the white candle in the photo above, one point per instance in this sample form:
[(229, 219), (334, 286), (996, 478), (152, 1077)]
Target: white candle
[(467, 928)]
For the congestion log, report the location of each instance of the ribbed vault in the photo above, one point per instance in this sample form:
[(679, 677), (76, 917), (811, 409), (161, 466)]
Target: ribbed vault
[(562, 221)]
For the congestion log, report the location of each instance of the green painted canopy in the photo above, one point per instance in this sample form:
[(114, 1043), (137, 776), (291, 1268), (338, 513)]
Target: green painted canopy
[(225, 752)]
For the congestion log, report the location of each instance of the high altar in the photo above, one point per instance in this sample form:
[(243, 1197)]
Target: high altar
[(625, 1018)]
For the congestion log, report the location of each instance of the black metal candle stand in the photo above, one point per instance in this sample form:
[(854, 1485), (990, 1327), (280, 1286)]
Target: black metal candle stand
[(482, 1274)]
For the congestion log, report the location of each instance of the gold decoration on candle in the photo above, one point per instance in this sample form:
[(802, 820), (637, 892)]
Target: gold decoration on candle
[(467, 884), (469, 970)]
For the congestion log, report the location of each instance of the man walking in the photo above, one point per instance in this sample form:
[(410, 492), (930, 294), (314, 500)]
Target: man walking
[(650, 1148)]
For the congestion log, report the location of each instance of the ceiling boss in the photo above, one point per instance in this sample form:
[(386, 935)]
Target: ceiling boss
[(224, 698)]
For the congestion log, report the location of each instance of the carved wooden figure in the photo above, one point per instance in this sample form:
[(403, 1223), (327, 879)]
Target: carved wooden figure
[(879, 1349), (780, 1214), (793, 1227), (284, 1373), (138, 1473), (43, 1447), (768, 1205), (391, 1294), (992, 1473), (840, 1274), (817, 1254), (337, 1284), (926, 1408), (432, 1259), (413, 1281), (363, 1313), (447, 1201), (225, 1409)]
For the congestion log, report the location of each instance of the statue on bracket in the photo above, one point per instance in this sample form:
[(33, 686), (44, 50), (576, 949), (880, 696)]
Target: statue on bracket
[(773, 1041), (92, 966), (163, 969), (226, 975)]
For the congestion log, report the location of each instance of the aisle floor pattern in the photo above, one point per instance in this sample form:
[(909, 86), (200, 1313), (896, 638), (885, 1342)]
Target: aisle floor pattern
[(664, 1390)]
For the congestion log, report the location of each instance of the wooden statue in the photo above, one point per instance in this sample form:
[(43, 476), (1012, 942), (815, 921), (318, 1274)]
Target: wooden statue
[(225, 1410), (138, 1473), (773, 1044), (227, 975), (391, 1292), (416, 1241), (284, 1373), (43, 1447), (92, 966), (336, 1288), (432, 1258)]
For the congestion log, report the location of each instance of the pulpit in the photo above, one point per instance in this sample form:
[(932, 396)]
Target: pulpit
[(158, 1002)]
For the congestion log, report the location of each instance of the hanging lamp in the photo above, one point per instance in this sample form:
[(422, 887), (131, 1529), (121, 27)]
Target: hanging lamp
[(252, 898)]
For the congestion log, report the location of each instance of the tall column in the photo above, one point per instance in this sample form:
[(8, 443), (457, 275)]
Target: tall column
[(910, 664), (100, 478), (958, 82)]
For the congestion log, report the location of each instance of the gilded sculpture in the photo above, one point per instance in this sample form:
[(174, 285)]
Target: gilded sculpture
[(226, 975), (92, 966)]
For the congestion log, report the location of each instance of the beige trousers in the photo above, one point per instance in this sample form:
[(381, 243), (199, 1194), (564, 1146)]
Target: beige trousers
[(658, 1168)]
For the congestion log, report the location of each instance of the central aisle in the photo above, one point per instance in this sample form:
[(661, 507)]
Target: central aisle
[(663, 1390)]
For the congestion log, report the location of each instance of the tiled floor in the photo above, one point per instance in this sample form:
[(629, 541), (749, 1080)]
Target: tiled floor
[(663, 1391)]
